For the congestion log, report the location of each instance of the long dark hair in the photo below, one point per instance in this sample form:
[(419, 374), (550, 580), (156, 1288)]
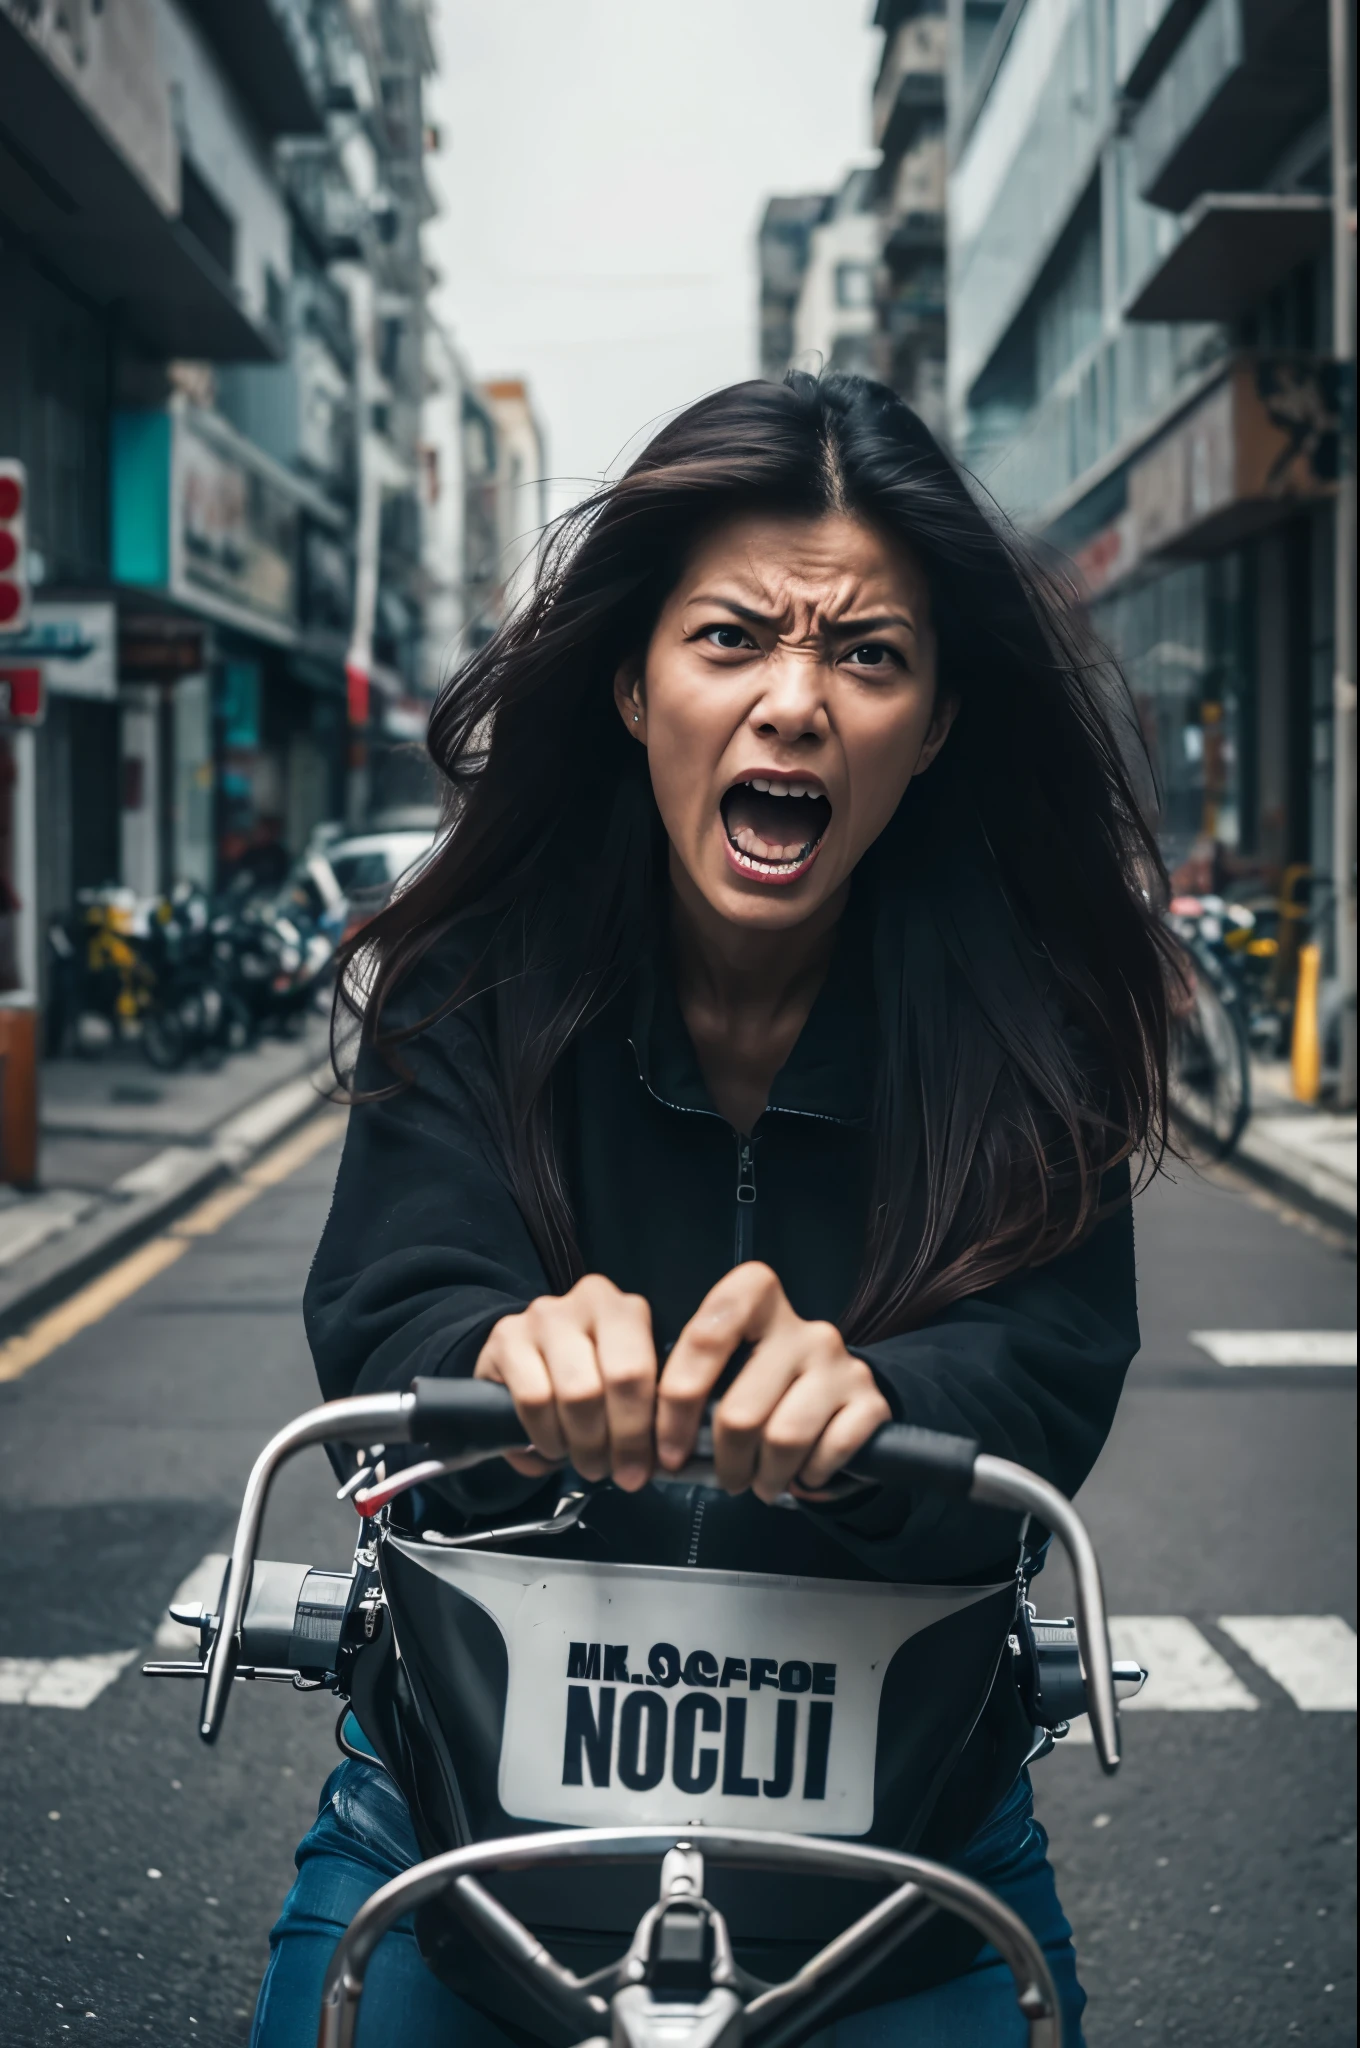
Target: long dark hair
[(1019, 968)]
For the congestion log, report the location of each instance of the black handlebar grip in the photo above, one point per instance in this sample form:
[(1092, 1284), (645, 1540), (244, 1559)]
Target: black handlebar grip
[(901, 1455), (454, 1416)]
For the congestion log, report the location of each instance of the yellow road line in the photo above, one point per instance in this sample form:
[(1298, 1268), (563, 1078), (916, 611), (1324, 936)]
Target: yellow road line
[(224, 1203), (86, 1307), (94, 1302)]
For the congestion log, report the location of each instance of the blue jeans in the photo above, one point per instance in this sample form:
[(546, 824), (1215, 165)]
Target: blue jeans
[(362, 1837)]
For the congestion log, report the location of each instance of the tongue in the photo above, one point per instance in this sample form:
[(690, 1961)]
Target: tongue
[(773, 828)]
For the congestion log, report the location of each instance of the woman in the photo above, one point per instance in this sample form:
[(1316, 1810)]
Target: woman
[(784, 1003)]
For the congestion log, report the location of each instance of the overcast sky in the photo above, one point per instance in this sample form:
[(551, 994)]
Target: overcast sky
[(604, 165)]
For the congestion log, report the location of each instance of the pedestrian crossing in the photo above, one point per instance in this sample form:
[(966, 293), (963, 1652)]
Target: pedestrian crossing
[(1311, 1658), (1265, 1348), (69, 1682)]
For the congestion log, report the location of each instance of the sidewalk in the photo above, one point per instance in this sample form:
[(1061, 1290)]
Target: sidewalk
[(124, 1149), (1305, 1155)]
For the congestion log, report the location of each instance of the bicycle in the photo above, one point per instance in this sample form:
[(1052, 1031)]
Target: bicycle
[(1210, 1062), (678, 1983)]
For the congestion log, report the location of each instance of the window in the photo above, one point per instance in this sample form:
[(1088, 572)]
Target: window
[(854, 284), (355, 871)]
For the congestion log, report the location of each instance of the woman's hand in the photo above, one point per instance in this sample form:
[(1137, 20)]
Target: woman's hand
[(582, 1370), (798, 1409)]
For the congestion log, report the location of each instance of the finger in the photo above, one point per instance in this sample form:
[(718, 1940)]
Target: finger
[(743, 1416), (511, 1357), (845, 1433), (627, 1363), (742, 1306), (578, 1391)]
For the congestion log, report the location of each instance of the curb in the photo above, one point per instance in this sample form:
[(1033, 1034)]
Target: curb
[(155, 1194), (1274, 1169), (1270, 1166)]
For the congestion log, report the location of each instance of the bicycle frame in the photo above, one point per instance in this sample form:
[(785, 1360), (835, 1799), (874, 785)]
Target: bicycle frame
[(728, 2013)]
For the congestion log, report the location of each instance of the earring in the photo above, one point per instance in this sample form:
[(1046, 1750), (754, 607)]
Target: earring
[(635, 718)]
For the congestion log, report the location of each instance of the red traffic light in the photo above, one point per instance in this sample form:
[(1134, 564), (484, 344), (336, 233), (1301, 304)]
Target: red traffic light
[(13, 549)]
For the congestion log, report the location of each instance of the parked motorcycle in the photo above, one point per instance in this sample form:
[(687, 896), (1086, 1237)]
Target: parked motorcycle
[(277, 953)]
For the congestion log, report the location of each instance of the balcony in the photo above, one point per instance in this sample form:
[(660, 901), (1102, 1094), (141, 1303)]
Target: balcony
[(910, 88), (268, 50), (1236, 247), (110, 220), (1248, 74), (913, 236)]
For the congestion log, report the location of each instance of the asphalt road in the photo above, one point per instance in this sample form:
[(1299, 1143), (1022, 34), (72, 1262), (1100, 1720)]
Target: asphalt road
[(1210, 1884)]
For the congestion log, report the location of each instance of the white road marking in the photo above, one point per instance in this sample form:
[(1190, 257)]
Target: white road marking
[(1277, 1347), (1185, 1672), (59, 1681), (203, 1584), (1312, 1656)]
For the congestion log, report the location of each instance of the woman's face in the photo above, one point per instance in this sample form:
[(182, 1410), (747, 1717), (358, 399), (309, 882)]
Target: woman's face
[(787, 698)]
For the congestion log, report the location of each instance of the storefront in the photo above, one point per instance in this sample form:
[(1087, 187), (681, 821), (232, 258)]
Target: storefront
[(1211, 584), (244, 754)]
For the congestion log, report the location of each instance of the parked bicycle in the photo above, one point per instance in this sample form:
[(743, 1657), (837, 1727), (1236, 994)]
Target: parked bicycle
[(1210, 1062), (605, 1755)]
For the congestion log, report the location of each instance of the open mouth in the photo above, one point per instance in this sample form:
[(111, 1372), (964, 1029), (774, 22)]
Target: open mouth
[(774, 828)]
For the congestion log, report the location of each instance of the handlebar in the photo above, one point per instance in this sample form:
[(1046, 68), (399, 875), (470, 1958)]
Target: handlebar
[(467, 1422), (584, 2005)]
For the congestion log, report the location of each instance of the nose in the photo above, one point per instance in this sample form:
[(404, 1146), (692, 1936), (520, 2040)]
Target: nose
[(791, 706)]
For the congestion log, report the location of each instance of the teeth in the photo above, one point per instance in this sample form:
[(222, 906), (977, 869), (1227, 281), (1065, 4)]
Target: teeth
[(768, 788), (770, 867)]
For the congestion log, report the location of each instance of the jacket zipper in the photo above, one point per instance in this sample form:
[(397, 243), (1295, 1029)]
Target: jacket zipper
[(746, 1200)]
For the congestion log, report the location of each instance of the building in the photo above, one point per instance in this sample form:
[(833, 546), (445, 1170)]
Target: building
[(783, 246), (834, 321), (521, 483), (1141, 370), (909, 132), (854, 280), (818, 257), (213, 350), (485, 503)]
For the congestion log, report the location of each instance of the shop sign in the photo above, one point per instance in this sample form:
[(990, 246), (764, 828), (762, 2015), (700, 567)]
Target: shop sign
[(1263, 439), (1266, 436), (155, 649), (22, 700), (237, 531), (76, 645)]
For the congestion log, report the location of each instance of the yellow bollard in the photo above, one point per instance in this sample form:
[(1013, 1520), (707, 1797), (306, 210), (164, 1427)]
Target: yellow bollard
[(1306, 1052)]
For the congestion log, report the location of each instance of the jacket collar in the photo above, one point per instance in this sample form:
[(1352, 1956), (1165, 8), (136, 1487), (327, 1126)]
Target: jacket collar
[(830, 1072)]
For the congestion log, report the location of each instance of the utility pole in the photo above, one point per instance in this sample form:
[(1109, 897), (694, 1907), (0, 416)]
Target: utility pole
[(1341, 26)]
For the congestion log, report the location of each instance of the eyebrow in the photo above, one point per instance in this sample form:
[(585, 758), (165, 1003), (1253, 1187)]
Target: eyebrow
[(842, 627)]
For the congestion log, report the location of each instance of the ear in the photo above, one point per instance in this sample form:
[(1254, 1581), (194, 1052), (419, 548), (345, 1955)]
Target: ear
[(629, 700), (937, 732)]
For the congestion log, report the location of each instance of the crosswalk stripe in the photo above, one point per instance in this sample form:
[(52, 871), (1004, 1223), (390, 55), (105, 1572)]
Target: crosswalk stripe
[(203, 1584), (1185, 1672), (59, 1681), (1277, 1347), (1312, 1656)]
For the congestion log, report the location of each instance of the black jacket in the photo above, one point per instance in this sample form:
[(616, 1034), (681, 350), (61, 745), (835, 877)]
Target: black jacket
[(425, 1249)]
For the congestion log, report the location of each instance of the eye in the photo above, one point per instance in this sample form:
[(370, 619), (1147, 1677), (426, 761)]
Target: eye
[(728, 637), (874, 654)]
